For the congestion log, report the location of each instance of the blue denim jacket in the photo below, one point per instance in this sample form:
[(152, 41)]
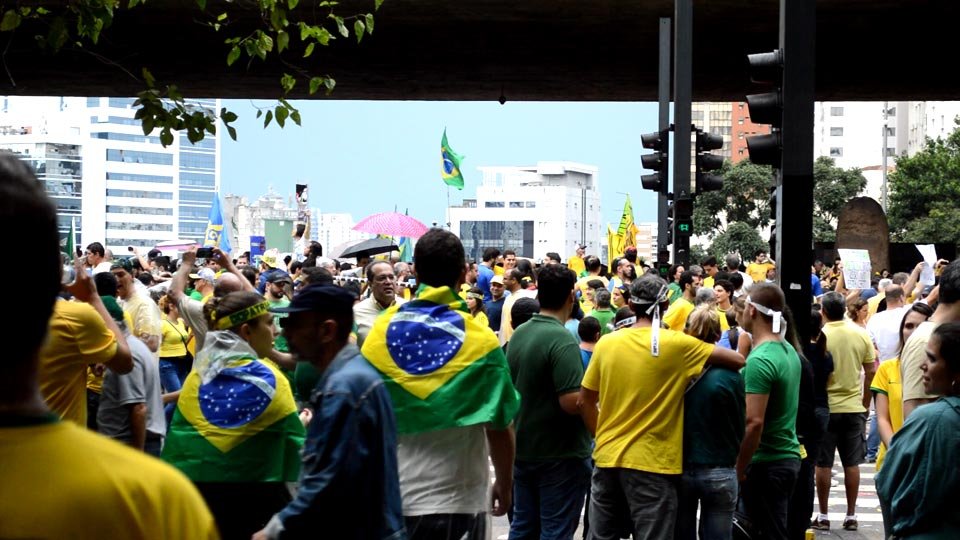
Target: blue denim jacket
[(348, 483)]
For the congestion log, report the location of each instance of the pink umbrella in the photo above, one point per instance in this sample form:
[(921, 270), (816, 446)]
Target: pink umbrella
[(393, 224)]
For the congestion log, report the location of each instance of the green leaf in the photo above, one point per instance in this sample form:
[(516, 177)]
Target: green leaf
[(148, 78), (324, 36), (292, 4), (166, 137), (315, 84), (369, 18), (259, 113), (358, 28), (309, 50), (202, 4), (194, 135), (132, 4), (228, 116), (342, 27), (233, 55), (295, 116), (287, 82), (281, 114), (221, 17), (329, 83), (376, 4), (147, 124), (232, 131), (11, 20), (267, 118), (283, 40)]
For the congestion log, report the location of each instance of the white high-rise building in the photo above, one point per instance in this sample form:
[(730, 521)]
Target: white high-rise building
[(335, 230), (922, 120), (125, 187), (553, 206)]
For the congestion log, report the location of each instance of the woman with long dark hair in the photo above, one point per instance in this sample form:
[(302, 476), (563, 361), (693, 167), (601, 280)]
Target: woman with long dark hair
[(886, 384), (919, 481)]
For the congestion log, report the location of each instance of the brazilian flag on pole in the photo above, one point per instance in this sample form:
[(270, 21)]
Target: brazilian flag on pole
[(450, 164), (443, 369), (214, 236), (241, 425)]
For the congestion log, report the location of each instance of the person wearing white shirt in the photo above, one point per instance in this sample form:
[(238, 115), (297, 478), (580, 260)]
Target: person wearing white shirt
[(884, 327)]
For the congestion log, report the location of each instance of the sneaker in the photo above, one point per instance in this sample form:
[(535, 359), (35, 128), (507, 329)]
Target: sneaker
[(850, 524), (871, 459), (820, 524)]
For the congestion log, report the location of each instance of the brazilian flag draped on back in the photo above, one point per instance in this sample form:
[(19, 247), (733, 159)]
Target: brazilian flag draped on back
[(236, 420), (443, 369), (450, 164)]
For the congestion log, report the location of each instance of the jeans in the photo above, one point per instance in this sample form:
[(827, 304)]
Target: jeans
[(651, 500), (765, 496), (716, 490), (153, 445), (173, 371), (447, 527), (548, 497), (873, 438), (801, 502), (93, 406)]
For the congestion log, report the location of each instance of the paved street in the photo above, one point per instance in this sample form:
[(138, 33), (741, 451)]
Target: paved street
[(868, 510)]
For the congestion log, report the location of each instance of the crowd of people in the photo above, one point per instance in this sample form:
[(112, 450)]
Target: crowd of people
[(305, 398)]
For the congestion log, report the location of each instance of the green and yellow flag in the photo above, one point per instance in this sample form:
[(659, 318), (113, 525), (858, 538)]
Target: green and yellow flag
[(627, 229), (241, 426), (442, 368), (614, 247), (450, 164)]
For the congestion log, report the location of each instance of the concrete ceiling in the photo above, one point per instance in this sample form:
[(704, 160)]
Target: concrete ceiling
[(570, 50)]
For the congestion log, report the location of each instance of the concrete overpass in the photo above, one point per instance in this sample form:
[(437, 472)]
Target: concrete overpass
[(572, 50)]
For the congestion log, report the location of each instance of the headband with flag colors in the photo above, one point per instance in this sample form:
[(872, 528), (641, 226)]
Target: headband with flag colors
[(443, 369), (450, 164), (242, 316)]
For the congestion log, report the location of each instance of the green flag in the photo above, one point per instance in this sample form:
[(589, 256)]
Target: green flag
[(450, 164), (71, 247)]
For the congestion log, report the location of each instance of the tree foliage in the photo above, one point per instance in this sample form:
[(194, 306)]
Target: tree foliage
[(924, 190), (288, 31), (833, 187), (724, 217)]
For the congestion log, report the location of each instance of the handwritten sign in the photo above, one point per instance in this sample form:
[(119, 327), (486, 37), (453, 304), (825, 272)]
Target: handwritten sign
[(929, 254), (856, 268)]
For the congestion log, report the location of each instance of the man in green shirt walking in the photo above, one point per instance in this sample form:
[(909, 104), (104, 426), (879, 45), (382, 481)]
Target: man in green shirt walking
[(603, 312), (769, 459), (552, 467)]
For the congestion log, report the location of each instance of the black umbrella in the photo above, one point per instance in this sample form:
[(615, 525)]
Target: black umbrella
[(368, 248)]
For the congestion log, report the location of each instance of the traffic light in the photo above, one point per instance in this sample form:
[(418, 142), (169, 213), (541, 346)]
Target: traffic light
[(669, 226), (767, 108), (659, 142), (707, 142)]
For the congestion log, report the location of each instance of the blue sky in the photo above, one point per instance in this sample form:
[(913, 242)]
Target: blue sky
[(364, 157)]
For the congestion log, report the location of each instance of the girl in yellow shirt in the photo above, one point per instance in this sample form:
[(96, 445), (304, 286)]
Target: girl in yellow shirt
[(475, 305)]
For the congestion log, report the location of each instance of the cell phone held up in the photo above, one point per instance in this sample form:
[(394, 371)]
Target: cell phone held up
[(205, 252)]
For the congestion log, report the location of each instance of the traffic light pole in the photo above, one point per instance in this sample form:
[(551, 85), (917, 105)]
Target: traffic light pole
[(795, 190), (682, 97), (663, 255)]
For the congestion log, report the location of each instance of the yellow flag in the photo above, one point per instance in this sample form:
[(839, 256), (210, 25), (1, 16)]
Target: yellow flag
[(614, 246)]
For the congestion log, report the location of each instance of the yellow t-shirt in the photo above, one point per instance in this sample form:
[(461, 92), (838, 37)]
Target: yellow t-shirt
[(724, 325), (576, 264), (77, 337), (174, 339), (60, 481), (145, 313), (851, 348), (708, 282), (873, 304), (482, 318), (676, 317), (887, 382), (94, 381), (758, 271), (641, 398)]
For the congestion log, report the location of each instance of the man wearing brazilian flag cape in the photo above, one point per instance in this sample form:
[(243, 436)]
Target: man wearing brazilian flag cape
[(452, 396)]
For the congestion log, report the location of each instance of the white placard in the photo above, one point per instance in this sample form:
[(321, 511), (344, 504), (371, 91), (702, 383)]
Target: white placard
[(929, 254), (856, 268)]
